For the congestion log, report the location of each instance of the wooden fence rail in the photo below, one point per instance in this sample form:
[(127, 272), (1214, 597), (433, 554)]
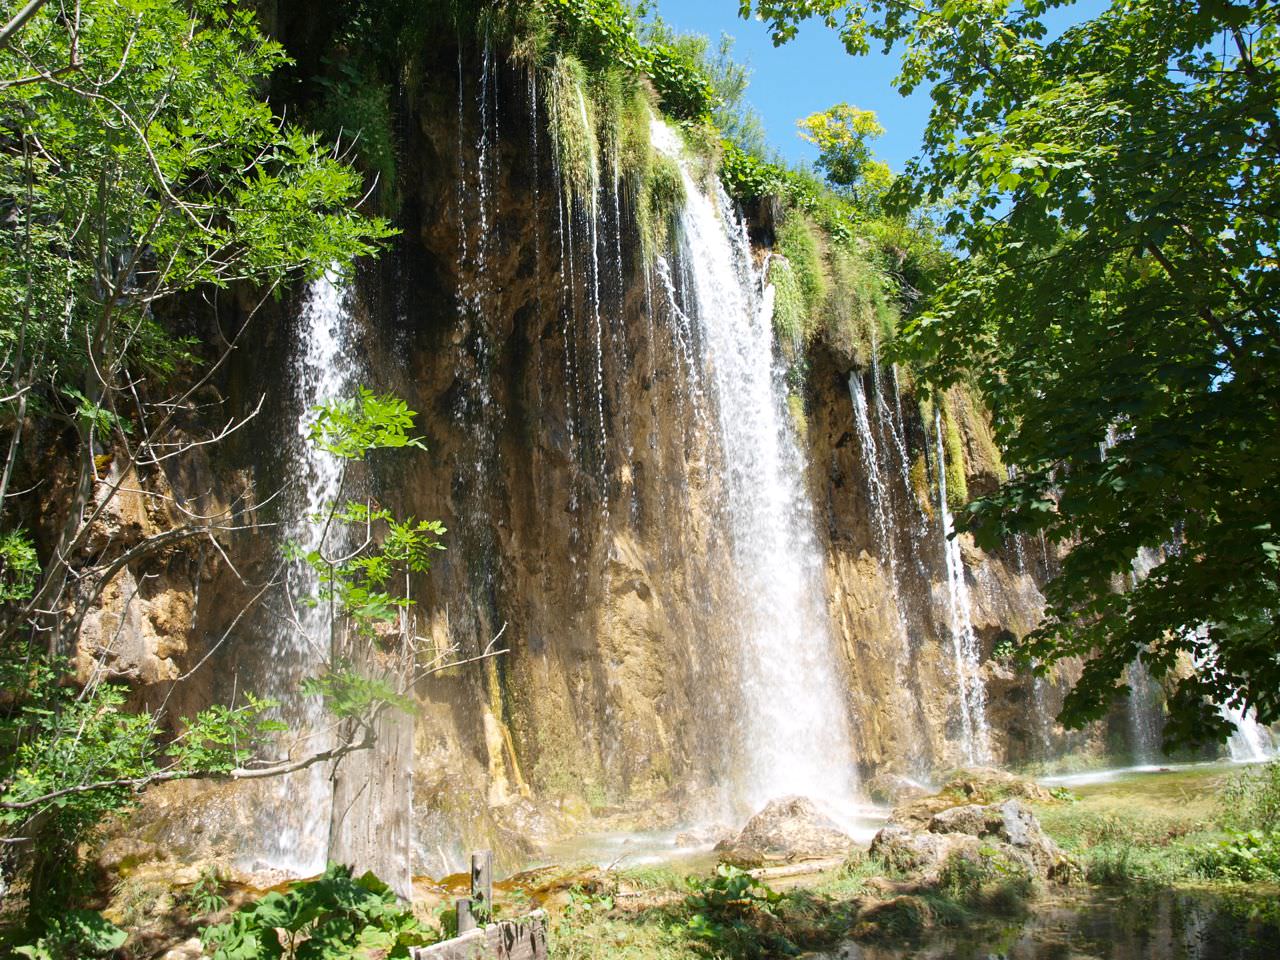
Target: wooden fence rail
[(522, 939)]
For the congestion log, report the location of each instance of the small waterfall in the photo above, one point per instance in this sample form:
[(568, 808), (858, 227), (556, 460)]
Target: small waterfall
[(973, 698), (294, 836), (1251, 742), (796, 724), (1146, 724), (877, 488)]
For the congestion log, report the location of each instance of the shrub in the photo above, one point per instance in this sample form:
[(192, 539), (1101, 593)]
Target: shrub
[(734, 914), (1251, 856), (74, 935), (331, 917), (1252, 799)]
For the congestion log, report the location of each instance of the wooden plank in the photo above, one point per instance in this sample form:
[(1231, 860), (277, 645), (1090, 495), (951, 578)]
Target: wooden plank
[(797, 869), (523, 939)]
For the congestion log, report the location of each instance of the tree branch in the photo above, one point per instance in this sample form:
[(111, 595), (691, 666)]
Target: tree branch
[(10, 29)]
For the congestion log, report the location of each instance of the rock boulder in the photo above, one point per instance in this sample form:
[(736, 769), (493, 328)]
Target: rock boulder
[(893, 788), (974, 832), (785, 831)]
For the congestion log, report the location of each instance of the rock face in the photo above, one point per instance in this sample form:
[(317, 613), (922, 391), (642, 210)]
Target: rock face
[(575, 463), (786, 830), (974, 833)]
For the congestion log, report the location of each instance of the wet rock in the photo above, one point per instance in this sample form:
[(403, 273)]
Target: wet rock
[(188, 950), (976, 786), (715, 834), (986, 784), (892, 788), (786, 830), (122, 854), (915, 851), (1010, 823), (977, 833)]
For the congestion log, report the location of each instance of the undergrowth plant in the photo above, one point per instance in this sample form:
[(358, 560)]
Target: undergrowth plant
[(334, 917), (733, 914), (75, 935)]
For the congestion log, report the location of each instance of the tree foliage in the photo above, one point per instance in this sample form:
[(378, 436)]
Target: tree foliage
[(1113, 191), (138, 162), (842, 134)]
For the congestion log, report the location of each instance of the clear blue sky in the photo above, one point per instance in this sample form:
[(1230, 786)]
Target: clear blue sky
[(813, 72)]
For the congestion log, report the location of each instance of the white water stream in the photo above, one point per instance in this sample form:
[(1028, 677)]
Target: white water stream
[(296, 839), (795, 718), (964, 642)]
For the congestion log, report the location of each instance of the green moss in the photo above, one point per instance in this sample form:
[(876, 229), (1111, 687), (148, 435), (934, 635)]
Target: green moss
[(957, 482), (573, 129), (798, 241), (795, 406)]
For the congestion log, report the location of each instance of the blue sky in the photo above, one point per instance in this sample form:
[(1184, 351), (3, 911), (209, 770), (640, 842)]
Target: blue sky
[(813, 72)]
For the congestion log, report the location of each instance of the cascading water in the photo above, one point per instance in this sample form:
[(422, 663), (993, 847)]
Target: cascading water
[(1145, 721), (1251, 742), (796, 724), (973, 698), (877, 488), (295, 834)]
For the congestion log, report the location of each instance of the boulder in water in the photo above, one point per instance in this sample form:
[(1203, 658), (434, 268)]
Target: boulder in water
[(893, 788), (972, 786), (786, 830), (715, 834)]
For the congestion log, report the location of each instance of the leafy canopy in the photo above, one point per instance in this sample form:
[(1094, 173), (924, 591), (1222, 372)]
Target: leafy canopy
[(1113, 192), (841, 134), (138, 162)]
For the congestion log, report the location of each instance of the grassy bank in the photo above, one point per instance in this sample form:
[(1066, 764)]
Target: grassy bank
[(1191, 846)]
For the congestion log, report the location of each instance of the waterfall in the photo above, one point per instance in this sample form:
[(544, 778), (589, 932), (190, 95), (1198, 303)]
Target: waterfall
[(1145, 720), (973, 697), (294, 833), (877, 489), (796, 733), (1251, 742)]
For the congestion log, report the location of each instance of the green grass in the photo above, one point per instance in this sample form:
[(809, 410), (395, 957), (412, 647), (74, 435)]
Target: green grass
[(1142, 836)]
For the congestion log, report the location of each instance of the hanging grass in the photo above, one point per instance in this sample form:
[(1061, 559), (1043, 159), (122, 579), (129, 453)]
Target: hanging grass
[(953, 444), (798, 241), (572, 128), (790, 311), (658, 201)]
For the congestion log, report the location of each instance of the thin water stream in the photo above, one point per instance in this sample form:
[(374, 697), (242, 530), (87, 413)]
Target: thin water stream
[(292, 830)]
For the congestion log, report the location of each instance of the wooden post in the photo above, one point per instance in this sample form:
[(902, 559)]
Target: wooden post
[(466, 919), (482, 884)]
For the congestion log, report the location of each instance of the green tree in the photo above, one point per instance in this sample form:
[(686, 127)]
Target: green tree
[(1113, 194), (841, 134), (138, 163)]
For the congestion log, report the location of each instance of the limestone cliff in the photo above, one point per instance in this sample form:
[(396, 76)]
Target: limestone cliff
[(573, 458)]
